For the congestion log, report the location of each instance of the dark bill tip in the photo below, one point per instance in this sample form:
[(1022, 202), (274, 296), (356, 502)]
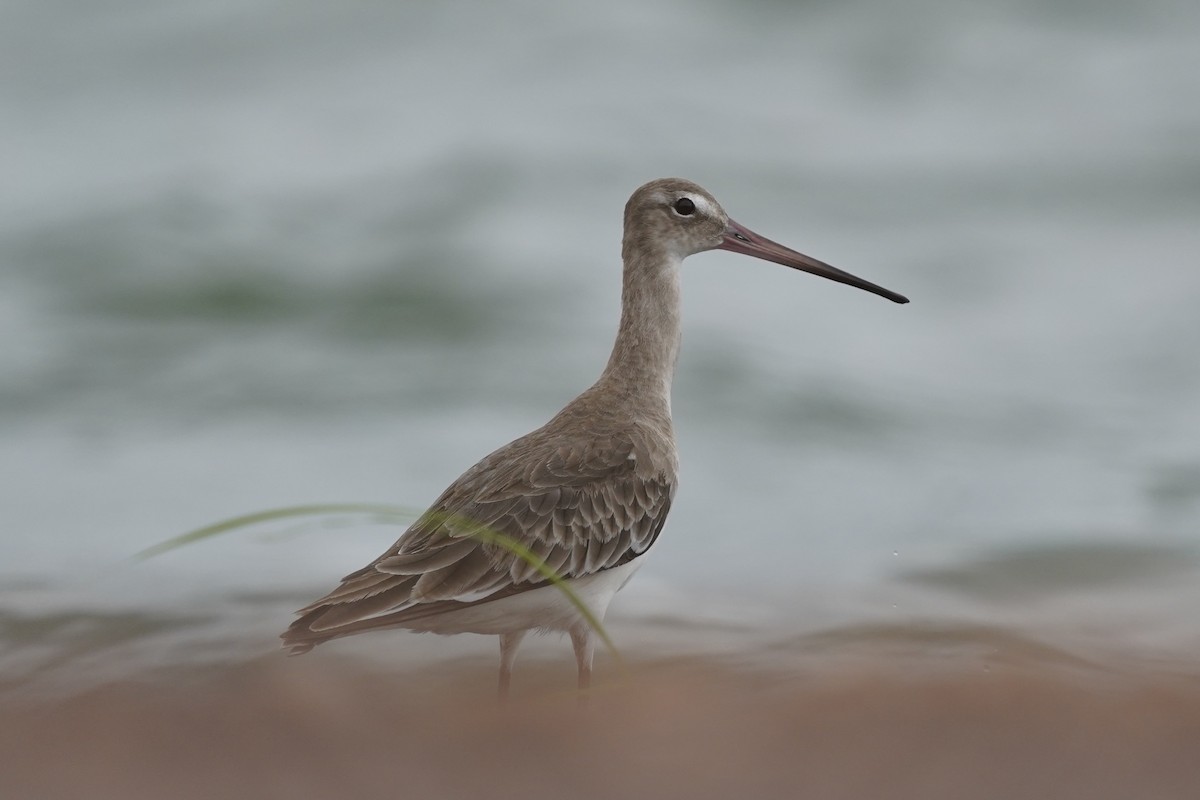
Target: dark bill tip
[(739, 239)]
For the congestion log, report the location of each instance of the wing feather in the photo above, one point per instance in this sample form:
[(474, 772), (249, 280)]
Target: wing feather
[(580, 507), (422, 562)]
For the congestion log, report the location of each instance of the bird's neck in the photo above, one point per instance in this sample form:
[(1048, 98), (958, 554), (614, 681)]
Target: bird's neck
[(642, 363)]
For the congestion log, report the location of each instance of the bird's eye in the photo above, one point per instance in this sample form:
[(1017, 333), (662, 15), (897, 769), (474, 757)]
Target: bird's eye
[(684, 206)]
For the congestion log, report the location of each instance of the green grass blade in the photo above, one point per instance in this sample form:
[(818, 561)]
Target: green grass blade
[(271, 515), (488, 535), (470, 527)]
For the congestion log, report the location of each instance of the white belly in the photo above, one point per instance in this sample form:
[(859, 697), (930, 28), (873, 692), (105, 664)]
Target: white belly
[(548, 608)]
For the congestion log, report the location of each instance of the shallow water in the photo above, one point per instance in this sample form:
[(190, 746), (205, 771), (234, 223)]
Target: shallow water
[(252, 260)]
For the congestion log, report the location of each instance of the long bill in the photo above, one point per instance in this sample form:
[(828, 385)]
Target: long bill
[(740, 239)]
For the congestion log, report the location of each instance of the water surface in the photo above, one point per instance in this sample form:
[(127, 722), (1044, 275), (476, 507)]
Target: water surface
[(254, 257)]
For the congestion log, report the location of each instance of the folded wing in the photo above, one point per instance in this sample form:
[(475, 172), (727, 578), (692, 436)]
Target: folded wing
[(580, 508)]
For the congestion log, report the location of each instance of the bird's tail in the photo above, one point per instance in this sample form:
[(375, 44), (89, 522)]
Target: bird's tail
[(299, 638)]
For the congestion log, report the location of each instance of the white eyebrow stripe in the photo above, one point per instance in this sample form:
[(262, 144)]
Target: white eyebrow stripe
[(702, 205)]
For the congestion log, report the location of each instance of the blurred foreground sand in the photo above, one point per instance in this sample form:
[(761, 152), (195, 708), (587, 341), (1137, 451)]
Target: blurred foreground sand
[(332, 728)]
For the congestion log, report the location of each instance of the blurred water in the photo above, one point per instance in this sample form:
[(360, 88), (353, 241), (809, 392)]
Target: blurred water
[(257, 254)]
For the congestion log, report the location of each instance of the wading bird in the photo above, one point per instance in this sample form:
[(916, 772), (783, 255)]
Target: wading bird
[(587, 493)]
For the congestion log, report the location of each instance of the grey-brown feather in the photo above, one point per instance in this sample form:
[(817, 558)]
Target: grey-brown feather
[(583, 498), (587, 492)]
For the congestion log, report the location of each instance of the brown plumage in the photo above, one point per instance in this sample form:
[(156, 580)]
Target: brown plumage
[(588, 492)]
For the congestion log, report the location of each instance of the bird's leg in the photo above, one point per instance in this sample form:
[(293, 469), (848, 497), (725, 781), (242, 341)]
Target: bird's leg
[(509, 642), (585, 647)]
